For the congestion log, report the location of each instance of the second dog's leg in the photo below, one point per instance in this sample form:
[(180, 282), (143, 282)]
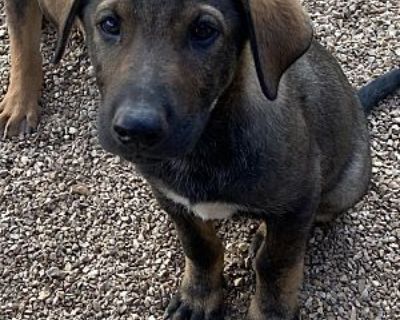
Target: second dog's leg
[(19, 111), (200, 295)]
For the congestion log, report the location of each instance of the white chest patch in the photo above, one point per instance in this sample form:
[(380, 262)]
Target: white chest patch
[(204, 210)]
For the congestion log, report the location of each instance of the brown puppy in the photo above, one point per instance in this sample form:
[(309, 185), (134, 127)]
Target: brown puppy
[(229, 107)]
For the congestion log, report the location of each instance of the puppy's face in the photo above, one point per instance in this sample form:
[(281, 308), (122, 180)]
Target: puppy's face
[(161, 68), (162, 65)]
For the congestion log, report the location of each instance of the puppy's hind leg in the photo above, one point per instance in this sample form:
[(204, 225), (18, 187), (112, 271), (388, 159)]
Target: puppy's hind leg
[(350, 187), (19, 111), (258, 240)]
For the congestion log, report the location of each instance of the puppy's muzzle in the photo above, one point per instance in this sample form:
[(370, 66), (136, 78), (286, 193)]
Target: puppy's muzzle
[(141, 125)]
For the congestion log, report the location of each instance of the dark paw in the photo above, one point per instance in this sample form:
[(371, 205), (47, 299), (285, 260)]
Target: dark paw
[(272, 312), (192, 309), (273, 317)]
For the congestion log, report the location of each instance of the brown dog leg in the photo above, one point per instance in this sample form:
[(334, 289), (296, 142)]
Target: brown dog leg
[(200, 295), (279, 269), (19, 110)]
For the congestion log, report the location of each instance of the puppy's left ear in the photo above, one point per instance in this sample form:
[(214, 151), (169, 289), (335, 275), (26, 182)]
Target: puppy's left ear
[(64, 13), (280, 32)]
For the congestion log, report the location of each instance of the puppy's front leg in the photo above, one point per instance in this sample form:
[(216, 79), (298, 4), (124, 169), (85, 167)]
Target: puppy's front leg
[(279, 267), (200, 295), (19, 110)]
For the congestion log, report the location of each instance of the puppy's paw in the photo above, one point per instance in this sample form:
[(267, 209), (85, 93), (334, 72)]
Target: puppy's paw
[(201, 305), (270, 312), (19, 113)]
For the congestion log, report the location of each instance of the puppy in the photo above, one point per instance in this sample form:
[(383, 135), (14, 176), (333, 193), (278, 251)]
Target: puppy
[(230, 107)]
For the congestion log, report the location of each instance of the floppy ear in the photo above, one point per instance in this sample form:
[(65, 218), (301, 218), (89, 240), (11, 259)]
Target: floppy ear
[(62, 13), (280, 32)]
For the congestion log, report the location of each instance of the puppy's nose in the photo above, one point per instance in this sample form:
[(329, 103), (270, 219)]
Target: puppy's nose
[(144, 126)]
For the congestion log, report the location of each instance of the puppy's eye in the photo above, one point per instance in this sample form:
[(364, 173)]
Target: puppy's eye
[(203, 32), (111, 26)]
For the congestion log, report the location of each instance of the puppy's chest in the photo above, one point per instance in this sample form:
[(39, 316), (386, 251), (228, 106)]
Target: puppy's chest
[(210, 192), (206, 210)]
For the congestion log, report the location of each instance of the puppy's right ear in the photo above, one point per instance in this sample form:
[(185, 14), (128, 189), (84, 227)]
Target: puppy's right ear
[(66, 11)]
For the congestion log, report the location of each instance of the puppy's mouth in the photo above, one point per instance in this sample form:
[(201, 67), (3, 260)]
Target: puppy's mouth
[(141, 159), (135, 155), (140, 155)]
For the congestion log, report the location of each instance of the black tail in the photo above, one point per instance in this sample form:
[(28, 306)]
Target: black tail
[(379, 89)]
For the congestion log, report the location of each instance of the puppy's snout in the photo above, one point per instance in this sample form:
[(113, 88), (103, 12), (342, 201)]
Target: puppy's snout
[(142, 125)]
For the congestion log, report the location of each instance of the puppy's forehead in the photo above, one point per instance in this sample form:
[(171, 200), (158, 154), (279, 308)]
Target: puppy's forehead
[(154, 8)]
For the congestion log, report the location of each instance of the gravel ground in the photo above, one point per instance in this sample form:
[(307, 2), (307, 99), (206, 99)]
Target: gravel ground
[(82, 238)]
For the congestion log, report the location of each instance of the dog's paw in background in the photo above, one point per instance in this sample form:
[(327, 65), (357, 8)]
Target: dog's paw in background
[(19, 113)]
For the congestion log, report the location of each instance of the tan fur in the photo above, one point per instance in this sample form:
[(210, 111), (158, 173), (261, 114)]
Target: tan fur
[(283, 33), (262, 229), (20, 105), (56, 11), (210, 299), (19, 110), (288, 285)]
